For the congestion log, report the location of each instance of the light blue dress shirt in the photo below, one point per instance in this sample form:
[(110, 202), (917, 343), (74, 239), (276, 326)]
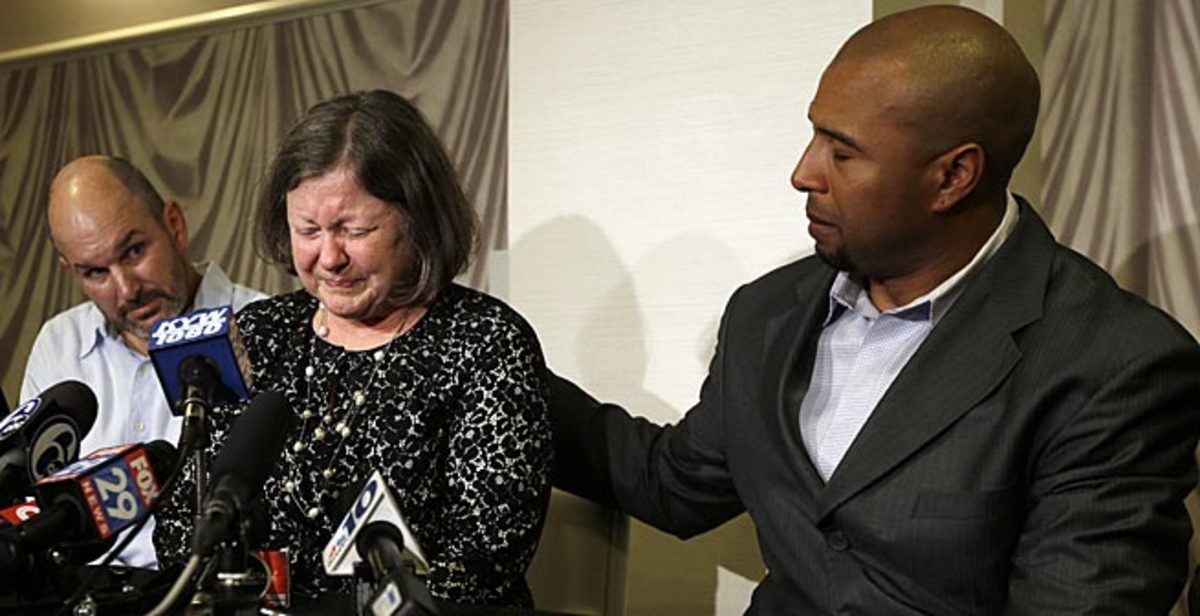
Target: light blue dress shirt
[(131, 406), (862, 350)]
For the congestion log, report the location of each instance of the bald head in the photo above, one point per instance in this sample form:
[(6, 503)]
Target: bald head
[(92, 181), (962, 77)]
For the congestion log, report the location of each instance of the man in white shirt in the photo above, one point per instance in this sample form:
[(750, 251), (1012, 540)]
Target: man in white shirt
[(127, 248)]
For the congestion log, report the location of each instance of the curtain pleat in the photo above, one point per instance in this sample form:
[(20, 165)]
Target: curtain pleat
[(1121, 143), (202, 116)]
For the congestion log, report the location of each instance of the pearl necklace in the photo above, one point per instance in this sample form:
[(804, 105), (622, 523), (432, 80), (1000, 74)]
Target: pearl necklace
[(343, 429)]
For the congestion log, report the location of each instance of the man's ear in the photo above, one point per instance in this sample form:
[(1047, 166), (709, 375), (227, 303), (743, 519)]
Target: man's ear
[(62, 262), (959, 170), (176, 225)]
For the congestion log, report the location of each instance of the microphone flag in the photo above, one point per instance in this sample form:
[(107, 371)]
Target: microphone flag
[(117, 484), (210, 334), (374, 503)]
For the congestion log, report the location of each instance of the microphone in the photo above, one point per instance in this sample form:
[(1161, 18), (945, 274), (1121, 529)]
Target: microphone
[(200, 360), (43, 435), (241, 468), (398, 593), (91, 499), (375, 503)]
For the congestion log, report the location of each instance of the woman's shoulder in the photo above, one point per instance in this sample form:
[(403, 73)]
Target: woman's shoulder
[(274, 320), (474, 312), (276, 310)]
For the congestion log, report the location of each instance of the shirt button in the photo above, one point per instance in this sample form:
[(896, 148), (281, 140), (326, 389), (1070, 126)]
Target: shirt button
[(139, 426)]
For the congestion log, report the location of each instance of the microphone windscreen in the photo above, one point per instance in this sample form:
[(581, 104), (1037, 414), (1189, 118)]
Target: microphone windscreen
[(71, 399), (254, 441), (163, 457), (241, 468), (382, 546), (74, 399), (58, 421)]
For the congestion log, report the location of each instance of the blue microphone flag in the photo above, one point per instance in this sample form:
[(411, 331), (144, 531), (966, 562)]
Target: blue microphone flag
[(117, 484), (209, 333)]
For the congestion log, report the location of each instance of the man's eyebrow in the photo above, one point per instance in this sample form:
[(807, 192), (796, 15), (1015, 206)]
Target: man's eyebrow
[(83, 267), (128, 239), (838, 136)]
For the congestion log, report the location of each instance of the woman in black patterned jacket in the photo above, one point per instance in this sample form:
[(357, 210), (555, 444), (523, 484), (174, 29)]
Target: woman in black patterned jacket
[(387, 363)]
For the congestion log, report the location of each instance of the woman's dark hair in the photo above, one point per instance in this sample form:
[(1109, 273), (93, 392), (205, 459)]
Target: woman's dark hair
[(383, 139)]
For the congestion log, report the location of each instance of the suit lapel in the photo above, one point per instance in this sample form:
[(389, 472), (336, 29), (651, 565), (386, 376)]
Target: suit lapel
[(918, 407), (790, 340), (967, 355)]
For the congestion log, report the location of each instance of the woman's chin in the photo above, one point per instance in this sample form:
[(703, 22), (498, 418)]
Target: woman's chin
[(343, 305)]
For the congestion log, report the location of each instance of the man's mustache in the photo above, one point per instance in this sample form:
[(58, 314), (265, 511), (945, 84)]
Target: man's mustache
[(140, 300)]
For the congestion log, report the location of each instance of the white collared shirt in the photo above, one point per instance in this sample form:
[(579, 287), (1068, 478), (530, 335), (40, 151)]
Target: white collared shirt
[(131, 405), (862, 350)]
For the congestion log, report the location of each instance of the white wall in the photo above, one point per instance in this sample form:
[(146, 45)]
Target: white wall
[(650, 146)]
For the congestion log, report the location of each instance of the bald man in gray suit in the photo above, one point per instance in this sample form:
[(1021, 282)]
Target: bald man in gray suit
[(943, 411)]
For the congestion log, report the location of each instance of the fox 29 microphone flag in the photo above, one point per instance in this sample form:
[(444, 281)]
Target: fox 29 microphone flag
[(109, 489)]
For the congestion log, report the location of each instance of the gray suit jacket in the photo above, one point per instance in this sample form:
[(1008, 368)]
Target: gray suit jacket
[(1031, 458)]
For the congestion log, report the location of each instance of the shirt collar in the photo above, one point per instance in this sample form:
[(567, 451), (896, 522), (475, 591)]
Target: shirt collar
[(93, 321), (846, 294), (214, 287)]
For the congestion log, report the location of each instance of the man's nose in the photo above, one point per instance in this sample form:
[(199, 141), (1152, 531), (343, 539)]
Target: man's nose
[(809, 174), (128, 283)]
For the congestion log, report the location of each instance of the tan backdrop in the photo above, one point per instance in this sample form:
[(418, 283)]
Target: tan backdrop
[(1121, 143), (201, 116)]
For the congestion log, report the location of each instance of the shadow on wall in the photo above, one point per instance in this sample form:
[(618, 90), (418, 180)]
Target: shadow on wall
[(587, 308), (713, 573)]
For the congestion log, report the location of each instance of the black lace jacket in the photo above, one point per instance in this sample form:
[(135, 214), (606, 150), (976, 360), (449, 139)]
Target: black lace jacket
[(453, 414)]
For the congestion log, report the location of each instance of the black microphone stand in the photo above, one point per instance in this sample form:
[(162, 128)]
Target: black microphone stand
[(386, 584), (238, 584), (226, 523), (238, 579), (198, 378)]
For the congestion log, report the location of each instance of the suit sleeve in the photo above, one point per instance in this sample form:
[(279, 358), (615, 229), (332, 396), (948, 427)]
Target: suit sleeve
[(1107, 531), (675, 477)]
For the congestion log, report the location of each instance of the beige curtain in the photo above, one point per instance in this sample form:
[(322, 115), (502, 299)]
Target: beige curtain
[(202, 115), (1121, 142)]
